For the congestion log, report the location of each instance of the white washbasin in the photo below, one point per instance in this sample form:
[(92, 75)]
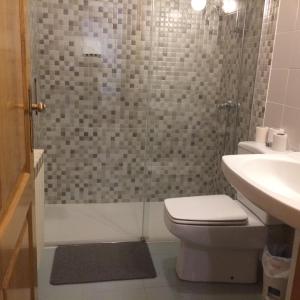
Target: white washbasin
[(270, 181)]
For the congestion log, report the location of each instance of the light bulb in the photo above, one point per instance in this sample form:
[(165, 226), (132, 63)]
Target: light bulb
[(267, 8), (198, 5), (229, 6)]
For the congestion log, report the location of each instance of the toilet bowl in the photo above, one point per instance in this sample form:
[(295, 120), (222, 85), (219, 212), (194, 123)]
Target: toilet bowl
[(221, 238), (215, 249)]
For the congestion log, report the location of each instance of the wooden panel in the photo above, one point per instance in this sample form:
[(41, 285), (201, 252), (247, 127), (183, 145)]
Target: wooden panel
[(12, 99), (13, 221), (296, 284), (17, 253), (17, 284)]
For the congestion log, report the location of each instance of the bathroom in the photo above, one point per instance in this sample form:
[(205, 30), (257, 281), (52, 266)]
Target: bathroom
[(138, 109)]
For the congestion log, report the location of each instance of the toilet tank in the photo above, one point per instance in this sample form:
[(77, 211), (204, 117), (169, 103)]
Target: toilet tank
[(256, 148)]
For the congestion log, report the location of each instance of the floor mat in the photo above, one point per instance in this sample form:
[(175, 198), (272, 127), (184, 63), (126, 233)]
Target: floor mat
[(101, 262)]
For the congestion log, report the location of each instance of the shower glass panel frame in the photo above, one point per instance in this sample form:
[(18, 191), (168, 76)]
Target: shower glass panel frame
[(141, 121), (200, 61)]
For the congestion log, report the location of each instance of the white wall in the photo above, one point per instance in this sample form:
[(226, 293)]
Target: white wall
[(283, 100)]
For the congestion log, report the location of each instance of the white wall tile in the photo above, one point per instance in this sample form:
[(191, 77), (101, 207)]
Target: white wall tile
[(277, 86), (298, 17), (282, 50), (283, 101), (293, 89), (291, 123), (273, 115), (295, 50), (287, 15)]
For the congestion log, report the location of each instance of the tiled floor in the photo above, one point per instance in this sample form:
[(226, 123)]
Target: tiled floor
[(165, 287), (104, 222)]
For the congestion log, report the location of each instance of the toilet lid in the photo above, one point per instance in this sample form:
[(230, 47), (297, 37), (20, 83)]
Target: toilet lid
[(206, 210)]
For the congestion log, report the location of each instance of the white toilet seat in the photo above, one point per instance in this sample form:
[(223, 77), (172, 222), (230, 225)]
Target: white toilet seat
[(206, 210), (251, 235)]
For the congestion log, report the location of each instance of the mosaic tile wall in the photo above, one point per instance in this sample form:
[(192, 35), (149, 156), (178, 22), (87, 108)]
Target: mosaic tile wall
[(185, 79), (141, 121), (264, 65), (239, 86)]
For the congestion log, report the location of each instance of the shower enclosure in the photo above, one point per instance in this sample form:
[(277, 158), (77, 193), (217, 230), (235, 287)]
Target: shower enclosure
[(143, 97)]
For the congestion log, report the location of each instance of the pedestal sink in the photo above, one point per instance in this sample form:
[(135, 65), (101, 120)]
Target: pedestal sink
[(270, 181)]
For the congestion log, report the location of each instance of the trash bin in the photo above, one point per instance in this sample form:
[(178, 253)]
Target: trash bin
[(276, 262)]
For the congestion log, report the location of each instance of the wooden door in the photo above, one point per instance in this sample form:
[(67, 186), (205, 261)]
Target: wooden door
[(17, 234)]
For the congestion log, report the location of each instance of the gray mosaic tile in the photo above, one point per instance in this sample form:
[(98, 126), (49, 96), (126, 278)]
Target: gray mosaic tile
[(264, 65), (140, 121)]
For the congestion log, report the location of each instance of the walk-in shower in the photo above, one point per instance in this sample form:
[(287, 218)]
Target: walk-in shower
[(143, 98)]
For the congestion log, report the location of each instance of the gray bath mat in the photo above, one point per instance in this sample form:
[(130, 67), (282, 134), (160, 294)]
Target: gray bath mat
[(101, 262)]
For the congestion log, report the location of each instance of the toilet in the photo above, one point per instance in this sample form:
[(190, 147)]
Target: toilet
[(221, 238)]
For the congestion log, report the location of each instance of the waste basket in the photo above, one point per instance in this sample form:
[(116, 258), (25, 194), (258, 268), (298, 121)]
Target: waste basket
[(276, 265)]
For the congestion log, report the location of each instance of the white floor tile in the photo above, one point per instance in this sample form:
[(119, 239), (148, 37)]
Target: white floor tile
[(124, 294), (166, 274), (154, 224), (44, 270), (170, 248), (203, 292), (206, 291), (68, 292), (162, 293), (108, 286), (166, 286), (164, 259)]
